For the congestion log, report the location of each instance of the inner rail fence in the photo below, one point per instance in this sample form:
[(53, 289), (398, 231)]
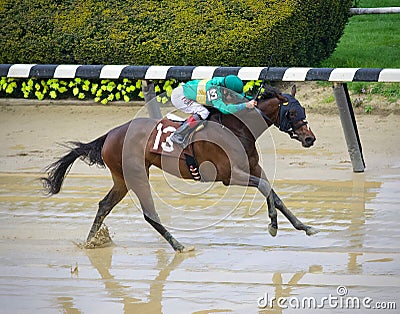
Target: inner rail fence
[(184, 73), (338, 76)]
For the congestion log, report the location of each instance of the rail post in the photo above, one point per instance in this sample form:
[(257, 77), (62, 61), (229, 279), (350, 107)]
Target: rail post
[(349, 126), (149, 93)]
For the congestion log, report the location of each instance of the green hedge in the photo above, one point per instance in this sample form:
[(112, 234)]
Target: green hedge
[(179, 32), (102, 91)]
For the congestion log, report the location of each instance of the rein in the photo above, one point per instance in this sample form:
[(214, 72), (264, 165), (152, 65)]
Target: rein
[(265, 117), (286, 124), (234, 131)]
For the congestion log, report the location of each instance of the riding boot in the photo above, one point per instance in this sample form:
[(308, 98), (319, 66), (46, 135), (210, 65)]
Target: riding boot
[(181, 135)]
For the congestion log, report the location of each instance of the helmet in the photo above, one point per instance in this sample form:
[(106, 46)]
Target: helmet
[(234, 83)]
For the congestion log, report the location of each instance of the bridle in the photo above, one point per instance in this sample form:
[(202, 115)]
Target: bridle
[(291, 116)]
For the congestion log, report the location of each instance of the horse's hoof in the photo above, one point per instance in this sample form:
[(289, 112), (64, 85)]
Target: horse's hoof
[(311, 231), (186, 249), (272, 230)]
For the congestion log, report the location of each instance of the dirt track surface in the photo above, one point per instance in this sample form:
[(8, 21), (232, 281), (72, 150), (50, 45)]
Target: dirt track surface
[(33, 136)]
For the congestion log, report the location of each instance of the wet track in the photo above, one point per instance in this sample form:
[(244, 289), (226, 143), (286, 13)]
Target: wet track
[(235, 263)]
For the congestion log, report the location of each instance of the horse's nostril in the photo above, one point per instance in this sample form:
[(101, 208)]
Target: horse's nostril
[(309, 140)]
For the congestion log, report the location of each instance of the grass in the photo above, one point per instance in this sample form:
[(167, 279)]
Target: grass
[(369, 41), (391, 90)]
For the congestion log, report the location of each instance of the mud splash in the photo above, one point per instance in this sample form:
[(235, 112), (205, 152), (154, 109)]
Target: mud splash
[(101, 239)]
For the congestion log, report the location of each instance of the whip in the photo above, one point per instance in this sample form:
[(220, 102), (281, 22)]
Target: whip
[(264, 79)]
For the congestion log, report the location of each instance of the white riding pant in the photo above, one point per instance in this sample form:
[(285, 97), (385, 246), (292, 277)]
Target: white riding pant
[(186, 105)]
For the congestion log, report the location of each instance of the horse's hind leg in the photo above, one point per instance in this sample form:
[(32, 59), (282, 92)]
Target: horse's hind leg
[(151, 216), (138, 181), (291, 217), (113, 197), (178, 247)]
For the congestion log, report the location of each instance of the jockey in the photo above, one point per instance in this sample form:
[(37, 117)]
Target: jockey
[(192, 96)]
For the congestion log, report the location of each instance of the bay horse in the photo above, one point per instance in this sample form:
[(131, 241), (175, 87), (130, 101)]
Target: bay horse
[(227, 143)]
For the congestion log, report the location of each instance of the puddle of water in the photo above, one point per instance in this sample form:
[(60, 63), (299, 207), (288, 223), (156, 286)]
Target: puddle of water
[(235, 262)]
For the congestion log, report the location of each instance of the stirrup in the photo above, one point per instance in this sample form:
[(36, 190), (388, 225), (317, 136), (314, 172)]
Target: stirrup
[(182, 134), (181, 137)]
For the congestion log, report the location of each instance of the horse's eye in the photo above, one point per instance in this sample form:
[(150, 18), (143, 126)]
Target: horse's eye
[(292, 114)]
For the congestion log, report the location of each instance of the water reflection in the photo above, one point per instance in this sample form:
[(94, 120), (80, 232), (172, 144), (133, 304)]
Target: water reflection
[(66, 304), (357, 223), (101, 260), (281, 291)]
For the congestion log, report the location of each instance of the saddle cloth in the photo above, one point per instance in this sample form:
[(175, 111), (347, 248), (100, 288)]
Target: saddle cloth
[(160, 143), (160, 138)]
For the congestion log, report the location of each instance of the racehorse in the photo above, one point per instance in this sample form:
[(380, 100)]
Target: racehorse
[(227, 142)]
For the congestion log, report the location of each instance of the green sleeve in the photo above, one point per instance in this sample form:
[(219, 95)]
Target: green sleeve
[(226, 109), (215, 100)]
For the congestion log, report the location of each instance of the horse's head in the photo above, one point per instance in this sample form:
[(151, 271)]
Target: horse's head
[(285, 112)]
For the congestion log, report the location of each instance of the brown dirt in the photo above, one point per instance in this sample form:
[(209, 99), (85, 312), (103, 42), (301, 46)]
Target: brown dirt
[(318, 98)]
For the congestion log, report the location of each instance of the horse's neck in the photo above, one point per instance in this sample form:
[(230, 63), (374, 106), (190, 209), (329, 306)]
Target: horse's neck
[(245, 124)]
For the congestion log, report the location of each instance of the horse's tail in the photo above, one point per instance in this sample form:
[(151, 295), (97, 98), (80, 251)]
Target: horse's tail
[(57, 171)]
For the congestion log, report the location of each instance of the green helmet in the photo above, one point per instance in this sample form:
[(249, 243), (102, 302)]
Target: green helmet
[(234, 83)]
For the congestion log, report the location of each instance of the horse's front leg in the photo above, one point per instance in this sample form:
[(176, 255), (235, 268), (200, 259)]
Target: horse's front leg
[(291, 217), (264, 187)]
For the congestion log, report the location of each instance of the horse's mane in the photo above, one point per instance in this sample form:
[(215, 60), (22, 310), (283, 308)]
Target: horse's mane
[(270, 92)]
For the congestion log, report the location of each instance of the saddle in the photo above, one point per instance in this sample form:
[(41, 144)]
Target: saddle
[(160, 143)]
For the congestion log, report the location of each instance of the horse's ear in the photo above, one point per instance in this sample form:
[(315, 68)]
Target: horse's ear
[(293, 91), (281, 97)]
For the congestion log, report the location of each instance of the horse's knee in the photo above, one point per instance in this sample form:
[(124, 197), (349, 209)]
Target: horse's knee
[(264, 187), (277, 201)]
